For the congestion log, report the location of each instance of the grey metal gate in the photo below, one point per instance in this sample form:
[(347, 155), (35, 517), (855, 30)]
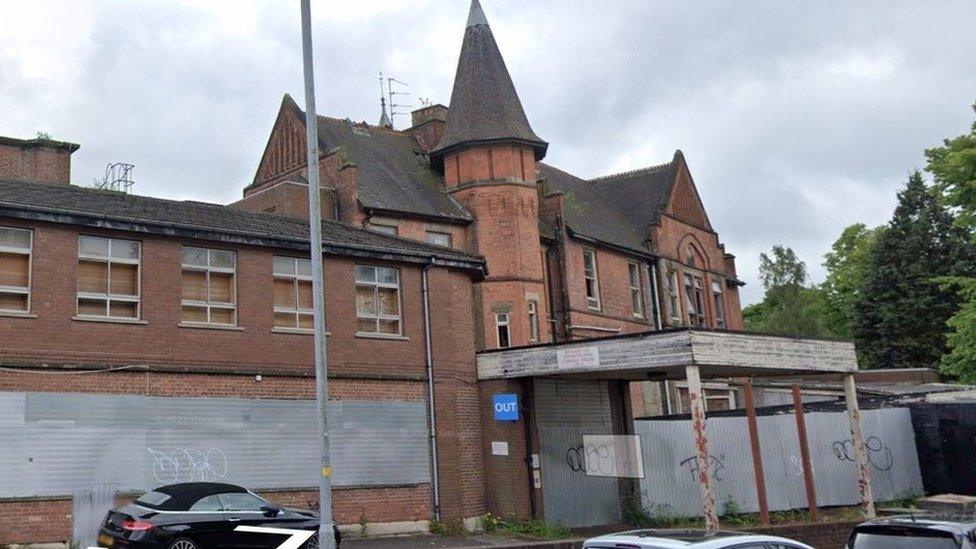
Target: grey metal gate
[(565, 411)]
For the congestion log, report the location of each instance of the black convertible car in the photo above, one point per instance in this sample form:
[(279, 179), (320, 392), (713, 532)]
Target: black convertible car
[(203, 515)]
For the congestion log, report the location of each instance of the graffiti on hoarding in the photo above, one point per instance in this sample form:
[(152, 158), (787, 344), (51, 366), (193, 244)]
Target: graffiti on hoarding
[(188, 465), (717, 464), (879, 455)]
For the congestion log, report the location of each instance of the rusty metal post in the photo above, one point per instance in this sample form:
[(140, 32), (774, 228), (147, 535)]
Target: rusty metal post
[(757, 465), (801, 429), (860, 454), (697, 404)]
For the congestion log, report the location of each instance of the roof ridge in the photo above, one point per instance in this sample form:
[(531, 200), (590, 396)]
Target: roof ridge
[(363, 123), (637, 171)]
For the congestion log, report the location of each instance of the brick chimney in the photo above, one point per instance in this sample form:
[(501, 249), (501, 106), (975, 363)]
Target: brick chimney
[(428, 125), (39, 160)]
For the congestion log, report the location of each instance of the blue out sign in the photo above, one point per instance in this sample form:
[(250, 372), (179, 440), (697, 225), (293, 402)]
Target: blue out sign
[(506, 407)]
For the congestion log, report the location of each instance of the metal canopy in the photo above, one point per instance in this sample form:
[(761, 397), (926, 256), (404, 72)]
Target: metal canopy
[(666, 354)]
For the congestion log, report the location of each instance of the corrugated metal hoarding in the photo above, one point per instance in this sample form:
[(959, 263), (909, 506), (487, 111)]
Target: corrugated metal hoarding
[(566, 411), (52, 444), (670, 486)]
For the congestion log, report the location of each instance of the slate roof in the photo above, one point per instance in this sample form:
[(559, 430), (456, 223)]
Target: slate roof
[(94, 207), (588, 214), (485, 106), (618, 209), (641, 195), (394, 174)]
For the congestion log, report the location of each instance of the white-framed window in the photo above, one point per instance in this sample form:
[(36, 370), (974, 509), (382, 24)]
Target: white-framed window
[(716, 396), (504, 334), (389, 230), (109, 279), (694, 300), (15, 269), (440, 239), (674, 300), (378, 301), (590, 277), (293, 293), (209, 286), (533, 320), (636, 290), (719, 299)]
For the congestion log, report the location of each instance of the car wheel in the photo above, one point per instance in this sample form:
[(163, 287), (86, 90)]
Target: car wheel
[(183, 543), (312, 543)]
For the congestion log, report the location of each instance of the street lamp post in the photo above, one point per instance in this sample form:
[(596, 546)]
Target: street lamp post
[(326, 537)]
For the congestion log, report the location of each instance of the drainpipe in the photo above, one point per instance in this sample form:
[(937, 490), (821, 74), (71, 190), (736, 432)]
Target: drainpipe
[(430, 394)]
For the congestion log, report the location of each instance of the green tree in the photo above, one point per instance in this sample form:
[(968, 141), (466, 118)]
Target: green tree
[(789, 307), (953, 167), (960, 362), (846, 264), (785, 268), (902, 310)]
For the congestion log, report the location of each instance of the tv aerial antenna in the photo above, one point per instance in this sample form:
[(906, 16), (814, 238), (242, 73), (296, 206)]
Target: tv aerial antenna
[(118, 177), (393, 90)]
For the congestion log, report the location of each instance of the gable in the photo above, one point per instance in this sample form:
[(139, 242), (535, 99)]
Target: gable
[(684, 203), (285, 151)]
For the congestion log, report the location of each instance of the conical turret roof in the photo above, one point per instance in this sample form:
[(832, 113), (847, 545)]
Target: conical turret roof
[(485, 108)]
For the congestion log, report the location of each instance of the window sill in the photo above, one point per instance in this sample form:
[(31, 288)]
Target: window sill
[(17, 314), (296, 331), (108, 320), (222, 327), (366, 335)]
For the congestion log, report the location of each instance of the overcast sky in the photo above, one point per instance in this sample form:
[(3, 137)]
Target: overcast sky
[(797, 118)]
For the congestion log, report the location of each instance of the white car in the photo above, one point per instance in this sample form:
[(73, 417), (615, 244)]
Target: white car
[(690, 539)]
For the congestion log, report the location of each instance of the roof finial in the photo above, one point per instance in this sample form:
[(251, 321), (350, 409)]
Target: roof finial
[(384, 118), (476, 16)]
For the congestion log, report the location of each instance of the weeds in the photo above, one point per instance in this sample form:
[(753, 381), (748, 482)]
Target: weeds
[(454, 528), (535, 528)]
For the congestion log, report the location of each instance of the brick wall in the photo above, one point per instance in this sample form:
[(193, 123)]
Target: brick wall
[(50, 520), (36, 160), (161, 340), (616, 309), (169, 360), (824, 535), (507, 495), (671, 240)]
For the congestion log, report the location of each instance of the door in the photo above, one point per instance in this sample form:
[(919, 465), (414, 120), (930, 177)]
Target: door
[(565, 411)]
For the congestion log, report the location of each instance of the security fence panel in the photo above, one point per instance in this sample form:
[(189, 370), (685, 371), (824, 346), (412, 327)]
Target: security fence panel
[(671, 485), (54, 444)]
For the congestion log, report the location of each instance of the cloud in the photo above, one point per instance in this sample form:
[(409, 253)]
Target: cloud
[(798, 118)]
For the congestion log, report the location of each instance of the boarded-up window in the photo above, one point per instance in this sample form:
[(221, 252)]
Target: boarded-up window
[(293, 293), (15, 270), (108, 277), (209, 286), (378, 301)]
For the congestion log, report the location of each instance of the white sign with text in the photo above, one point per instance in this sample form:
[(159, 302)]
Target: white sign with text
[(578, 358)]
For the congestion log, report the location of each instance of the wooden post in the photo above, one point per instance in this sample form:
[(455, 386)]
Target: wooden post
[(697, 404), (860, 454), (757, 465), (801, 428)]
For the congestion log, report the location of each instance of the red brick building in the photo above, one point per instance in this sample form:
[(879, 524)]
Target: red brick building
[(114, 295)]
